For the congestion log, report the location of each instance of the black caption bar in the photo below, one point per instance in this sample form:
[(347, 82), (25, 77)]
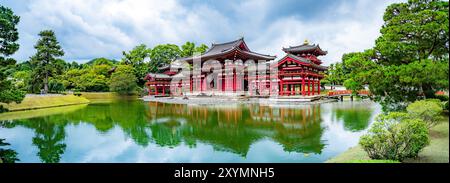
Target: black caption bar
[(227, 172)]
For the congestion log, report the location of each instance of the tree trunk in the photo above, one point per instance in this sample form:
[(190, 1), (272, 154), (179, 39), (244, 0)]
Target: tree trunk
[(46, 83), (428, 91)]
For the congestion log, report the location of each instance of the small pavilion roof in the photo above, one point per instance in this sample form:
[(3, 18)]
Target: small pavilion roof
[(157, 76), (305, 48)]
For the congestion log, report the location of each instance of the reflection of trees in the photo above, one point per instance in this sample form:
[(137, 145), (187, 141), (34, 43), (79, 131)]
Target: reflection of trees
[(231, 129), (355, 117), (49, 136), (166, 134), (49, 139), (7, 155), (235, 129), (304, 131), (130, 116)]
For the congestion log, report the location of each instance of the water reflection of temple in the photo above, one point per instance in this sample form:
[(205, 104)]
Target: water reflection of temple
[(235, 128)]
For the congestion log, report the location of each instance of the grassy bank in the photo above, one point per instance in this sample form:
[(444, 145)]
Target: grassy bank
[(40, 112), (45, 101), (106, 96), (436, 152)]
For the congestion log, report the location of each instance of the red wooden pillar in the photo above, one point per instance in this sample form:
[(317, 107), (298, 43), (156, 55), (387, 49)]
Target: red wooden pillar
[(222, 86), (313, 86), (270, 87), (288, 89), (156, 89), (234, 81), (164, 90), (303, 85), (281, 87), (309, 87), (318, 89), (190, 84), (292, 89), (201, 84)]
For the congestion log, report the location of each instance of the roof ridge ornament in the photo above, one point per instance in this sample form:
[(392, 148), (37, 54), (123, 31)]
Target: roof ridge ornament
[(306, 42)]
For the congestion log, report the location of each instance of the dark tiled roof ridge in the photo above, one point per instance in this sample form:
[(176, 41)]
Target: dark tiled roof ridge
[(229, 42), (258, 54)]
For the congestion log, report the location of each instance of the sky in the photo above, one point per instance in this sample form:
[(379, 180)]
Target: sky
[(90, 29)]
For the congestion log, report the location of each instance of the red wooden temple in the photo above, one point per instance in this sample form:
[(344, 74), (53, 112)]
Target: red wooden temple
[(298, 73)]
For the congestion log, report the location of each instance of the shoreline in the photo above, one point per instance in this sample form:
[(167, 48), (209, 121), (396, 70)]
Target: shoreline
[(33, 102), (231, 100)]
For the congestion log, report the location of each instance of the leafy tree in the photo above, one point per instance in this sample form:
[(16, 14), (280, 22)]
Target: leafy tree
[(8, 46), (93, 82), (71, 78), (123, 80), (74, 65), (336, 74), (201, 49), (351, 84), (101, 61), (189, 49), (137, 59), (163, 54), (427, 110), (44, 62), (21, 79), (410, 58), (55, 86), (395, 136), (93, 78)]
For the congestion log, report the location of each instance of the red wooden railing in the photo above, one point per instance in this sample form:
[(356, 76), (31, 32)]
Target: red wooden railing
[(347, 92)]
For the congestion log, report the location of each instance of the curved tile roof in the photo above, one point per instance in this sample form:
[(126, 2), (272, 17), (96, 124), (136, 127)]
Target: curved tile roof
[(305, 48), (228, 47)]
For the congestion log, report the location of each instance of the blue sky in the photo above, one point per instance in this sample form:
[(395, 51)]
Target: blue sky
[(89, 29)]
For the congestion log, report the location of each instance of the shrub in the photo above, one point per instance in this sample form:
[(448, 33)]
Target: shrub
[(55, 86), (142, 91), (427, 110), (77, 94), (442, 98), (395, 137), (446, 106)]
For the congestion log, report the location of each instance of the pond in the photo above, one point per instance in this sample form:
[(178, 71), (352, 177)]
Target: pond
[(137, 131)]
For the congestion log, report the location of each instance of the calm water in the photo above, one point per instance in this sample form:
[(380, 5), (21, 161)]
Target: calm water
[(137, 131)]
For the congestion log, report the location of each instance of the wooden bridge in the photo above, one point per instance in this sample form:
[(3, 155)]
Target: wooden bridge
[(341, 93)]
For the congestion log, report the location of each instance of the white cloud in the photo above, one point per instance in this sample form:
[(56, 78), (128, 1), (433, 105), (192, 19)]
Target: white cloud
[(104, 28), (349, 28)]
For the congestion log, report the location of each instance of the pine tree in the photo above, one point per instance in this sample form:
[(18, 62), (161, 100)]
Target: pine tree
[(44, 60), (8, 46)]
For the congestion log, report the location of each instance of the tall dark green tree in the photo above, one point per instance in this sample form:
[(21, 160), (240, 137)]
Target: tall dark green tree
[(410, 58), (44, 62), (8, 46)]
